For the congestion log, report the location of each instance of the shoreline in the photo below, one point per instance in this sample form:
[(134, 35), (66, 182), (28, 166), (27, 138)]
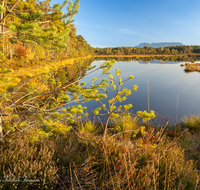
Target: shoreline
[(14, 77), (146, 55)]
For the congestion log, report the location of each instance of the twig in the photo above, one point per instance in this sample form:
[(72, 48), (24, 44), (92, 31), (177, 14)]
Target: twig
[(148, 95), (124, 132), (179, 101)]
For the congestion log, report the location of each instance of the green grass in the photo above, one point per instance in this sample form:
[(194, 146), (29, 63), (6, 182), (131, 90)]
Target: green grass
[(192, 122)]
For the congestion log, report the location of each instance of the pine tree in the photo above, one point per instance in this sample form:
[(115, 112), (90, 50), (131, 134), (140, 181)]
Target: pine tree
[(37, 23)]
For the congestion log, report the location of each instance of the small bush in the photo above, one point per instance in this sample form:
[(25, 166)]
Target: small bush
[(21, 158), (6, 70), (21, 51), (2, 56)]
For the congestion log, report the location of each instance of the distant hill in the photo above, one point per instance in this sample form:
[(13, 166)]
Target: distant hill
[(156, 45)]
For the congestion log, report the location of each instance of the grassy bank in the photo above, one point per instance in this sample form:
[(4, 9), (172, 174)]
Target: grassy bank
[(12, 72)]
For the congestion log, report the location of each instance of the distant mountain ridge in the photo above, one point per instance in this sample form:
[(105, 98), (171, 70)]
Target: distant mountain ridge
[(156, 45)]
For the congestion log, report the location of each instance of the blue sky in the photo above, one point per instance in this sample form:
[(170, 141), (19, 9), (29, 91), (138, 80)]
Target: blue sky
[(112, 23)]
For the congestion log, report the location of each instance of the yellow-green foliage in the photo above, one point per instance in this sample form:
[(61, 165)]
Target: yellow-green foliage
[(87, 130), (89, 126), (127, 125), (2, 56), (192, 122), (145, 115), (49, 127), (6, 70)]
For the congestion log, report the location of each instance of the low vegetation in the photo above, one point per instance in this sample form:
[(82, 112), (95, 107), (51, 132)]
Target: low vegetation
[(131, 157)]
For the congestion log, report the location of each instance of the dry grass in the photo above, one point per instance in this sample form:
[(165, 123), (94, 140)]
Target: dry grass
[(82, 159), (20, 158)]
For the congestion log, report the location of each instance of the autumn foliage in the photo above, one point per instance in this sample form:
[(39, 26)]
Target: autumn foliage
[(21, 51)]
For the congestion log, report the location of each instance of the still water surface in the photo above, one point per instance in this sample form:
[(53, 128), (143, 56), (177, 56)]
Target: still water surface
[(167, 80)]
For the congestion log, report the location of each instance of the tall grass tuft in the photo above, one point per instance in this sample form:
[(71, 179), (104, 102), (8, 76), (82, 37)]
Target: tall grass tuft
[(192, 122)]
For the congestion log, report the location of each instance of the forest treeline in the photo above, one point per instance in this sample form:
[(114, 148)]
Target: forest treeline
[(37, 30), (172, 50)]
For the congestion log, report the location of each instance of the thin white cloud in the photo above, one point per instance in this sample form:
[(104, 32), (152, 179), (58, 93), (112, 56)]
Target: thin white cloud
[(130, 32), (105, 27), (121, 31), (126, 31), (99, 46), (155, 39)]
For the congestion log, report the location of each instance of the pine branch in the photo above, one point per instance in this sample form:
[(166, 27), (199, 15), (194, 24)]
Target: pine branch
[(8, 12)]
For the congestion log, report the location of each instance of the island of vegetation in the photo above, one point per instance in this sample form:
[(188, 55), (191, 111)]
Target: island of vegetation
[(47, 144), (192, 67)]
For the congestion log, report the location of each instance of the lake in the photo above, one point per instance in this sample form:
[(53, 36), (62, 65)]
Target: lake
[(167, 81)]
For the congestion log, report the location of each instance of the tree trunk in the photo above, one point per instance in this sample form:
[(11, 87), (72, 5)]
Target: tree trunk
[(1, 28), (1, 130)]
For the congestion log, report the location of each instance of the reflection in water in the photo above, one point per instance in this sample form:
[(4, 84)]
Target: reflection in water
[(166, 81), (152, 59), (69, 74)]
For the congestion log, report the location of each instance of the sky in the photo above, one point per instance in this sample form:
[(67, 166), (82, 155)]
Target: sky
[(113, 23)]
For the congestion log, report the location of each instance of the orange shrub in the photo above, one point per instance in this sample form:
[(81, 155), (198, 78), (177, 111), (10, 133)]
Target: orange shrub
[(21, 51)]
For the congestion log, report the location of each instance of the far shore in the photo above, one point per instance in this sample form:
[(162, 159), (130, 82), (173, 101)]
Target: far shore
[(150, 55)]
